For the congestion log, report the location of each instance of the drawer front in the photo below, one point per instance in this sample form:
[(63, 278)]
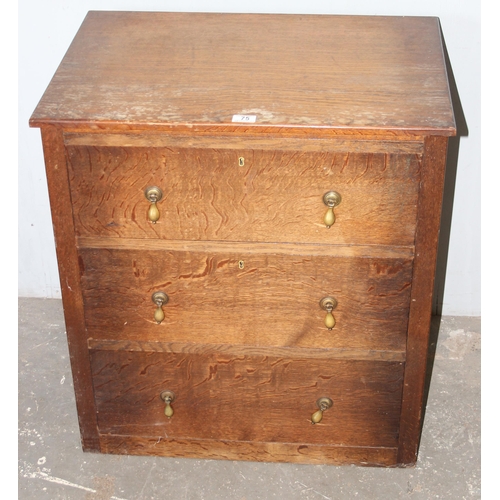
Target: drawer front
[(244, 195), (252, 299), (247, 398)]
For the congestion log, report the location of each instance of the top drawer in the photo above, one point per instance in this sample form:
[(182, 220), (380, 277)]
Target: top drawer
[(244, 195)]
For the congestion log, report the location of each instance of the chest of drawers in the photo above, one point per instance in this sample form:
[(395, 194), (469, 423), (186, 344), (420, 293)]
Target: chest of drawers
[(246, 212)]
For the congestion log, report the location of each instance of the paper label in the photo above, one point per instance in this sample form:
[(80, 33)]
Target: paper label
[(244, 118)]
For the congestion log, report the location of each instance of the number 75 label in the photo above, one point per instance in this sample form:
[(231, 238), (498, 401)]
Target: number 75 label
[(244, 118)]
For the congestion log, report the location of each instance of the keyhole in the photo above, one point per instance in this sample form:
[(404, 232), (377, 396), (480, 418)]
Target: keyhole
[(241, 264), (241, 161)]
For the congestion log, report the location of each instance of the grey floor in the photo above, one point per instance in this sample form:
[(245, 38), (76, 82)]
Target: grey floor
[(52, 465)]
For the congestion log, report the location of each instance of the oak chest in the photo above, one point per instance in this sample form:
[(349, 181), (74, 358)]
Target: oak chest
[(246, 212)]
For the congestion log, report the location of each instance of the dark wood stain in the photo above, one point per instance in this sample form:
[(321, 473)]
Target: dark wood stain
[(248, 398)]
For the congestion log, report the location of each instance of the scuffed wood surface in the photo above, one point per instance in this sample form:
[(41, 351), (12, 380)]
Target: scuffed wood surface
[(273, 301), (259, 399), (304, 71), (274, 197)]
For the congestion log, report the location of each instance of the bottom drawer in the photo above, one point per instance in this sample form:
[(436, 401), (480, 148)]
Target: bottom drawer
[(221, 397)]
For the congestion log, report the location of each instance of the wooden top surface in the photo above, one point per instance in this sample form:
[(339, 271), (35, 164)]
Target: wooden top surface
[(334, 74)]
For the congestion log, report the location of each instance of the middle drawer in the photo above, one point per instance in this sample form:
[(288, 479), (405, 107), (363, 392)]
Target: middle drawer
[(258, 299)]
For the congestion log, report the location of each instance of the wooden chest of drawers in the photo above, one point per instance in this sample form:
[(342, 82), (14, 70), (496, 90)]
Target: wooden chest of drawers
[(246, 212)]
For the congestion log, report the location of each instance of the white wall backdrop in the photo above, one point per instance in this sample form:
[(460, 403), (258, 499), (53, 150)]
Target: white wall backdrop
[(47, 28)]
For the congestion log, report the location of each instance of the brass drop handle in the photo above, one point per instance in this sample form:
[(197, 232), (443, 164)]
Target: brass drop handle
[(160, 299), (153, 194), (328, 304), (168, 397), (323, 404), (331, 200)]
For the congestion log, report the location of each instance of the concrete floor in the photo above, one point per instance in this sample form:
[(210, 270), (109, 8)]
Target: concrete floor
[(52, 465)]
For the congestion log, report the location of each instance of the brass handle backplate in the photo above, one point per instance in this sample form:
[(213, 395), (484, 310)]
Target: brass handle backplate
[(331, 200), (328, 304), (168, 397), (160, 299), (153, 194), (323, 404)]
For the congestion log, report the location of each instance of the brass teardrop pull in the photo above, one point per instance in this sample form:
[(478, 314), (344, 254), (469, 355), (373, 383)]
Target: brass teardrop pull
[(331, 200), (168, 397), (153, 194), (328, 304), (323, 404), (160, 299)]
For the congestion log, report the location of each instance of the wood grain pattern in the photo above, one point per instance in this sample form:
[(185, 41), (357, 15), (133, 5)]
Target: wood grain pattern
[(309, 71), (245, 350), (244, 450), (197, 140), (274, 197), (208, 247), (239, 398), (245, 132), (64, 233), (274, 300), (355, 104), (430, 203)]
